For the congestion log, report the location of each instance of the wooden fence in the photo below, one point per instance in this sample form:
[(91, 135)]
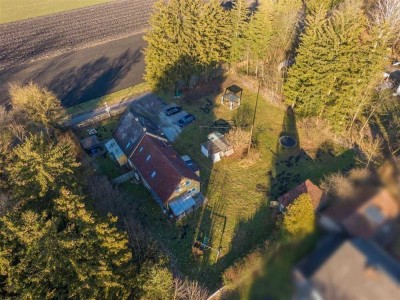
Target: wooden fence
[(124, 177)]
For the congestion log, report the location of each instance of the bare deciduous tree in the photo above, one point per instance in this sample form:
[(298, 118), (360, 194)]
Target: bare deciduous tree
[(185, 289), (239, 139), (144, 247), (386, 14), (40, 106), (371, 149)]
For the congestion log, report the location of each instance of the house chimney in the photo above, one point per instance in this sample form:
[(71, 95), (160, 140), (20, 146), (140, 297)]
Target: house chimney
[(371, 272), (136, 119), (144, 129)]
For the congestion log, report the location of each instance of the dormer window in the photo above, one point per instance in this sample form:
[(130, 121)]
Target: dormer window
[(140, 149), (153, 174), (148, 157), (127, 145)]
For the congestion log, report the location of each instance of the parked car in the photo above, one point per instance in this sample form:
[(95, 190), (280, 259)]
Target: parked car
[(173, 110), (186, 120)]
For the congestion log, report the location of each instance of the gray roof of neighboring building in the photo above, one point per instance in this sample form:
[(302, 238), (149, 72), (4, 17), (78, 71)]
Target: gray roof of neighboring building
[(217, 143), (352, 269), (90, 142), (128, 133)]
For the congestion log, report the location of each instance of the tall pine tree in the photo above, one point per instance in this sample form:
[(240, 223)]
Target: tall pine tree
[(337, 63), (187, 38), (63, 252)]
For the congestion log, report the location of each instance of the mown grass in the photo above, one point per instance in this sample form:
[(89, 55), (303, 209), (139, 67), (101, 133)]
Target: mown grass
[(110, 99), (15, 10), (236, 217), (271, 277)]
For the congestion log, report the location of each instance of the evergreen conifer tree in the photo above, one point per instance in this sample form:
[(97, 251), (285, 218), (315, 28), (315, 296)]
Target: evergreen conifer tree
[(39, 166), (239, 21), (299, 219), (65, 252), (187, 38), (335, 65)]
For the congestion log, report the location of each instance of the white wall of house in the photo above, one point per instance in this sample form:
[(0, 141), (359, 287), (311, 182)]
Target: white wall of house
[(216, 157)]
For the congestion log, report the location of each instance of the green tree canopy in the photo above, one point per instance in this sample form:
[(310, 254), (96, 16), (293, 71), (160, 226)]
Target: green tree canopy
[(337, 64), (155, 280), (187, 38), (39, 166), (299, 219), (64, 253)]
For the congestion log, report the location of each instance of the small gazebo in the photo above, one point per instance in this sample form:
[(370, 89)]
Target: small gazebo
[(232, 96)]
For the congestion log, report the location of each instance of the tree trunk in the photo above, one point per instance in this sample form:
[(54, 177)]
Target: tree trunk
[(248, 61)]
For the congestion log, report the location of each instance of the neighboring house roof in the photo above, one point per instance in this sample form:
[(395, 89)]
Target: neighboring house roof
[(128, 133), (365, 218), (307, 187), (161, 166), (90, 142), (351, 269)]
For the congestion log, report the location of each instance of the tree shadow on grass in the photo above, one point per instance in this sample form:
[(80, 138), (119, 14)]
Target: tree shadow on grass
[(94, 79), (289, 168), (274, 281)]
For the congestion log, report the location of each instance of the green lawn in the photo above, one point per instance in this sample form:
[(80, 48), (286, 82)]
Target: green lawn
[(110, 99), (104, 129), (15, 10), (236, 217)]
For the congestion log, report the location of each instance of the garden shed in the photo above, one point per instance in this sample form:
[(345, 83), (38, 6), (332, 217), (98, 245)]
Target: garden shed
[(216, 147), (89, 143), (232, 96)]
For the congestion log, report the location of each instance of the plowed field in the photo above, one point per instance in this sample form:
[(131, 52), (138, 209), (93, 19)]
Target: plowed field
[(59, 33)]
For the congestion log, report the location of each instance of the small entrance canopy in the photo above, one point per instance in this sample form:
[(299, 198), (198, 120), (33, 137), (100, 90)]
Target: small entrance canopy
[(232, 96)]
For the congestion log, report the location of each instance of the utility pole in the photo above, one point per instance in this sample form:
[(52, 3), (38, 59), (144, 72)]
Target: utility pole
[(254, 116)]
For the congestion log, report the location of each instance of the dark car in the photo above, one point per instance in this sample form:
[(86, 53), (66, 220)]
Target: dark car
[(173, 110), (186, 120)]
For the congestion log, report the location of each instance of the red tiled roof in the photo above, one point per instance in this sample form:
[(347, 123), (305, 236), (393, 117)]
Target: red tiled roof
[(169, 167), (307, 187)]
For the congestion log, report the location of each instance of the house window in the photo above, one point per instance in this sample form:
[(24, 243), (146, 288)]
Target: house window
[(148, 157), (153, 174), (187, 183), (141, 149), (178, 189)]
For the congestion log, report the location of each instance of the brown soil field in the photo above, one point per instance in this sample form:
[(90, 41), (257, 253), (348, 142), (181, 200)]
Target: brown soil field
[(52, 35)]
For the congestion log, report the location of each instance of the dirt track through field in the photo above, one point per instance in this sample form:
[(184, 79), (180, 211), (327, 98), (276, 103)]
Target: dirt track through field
[(81, 54)]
